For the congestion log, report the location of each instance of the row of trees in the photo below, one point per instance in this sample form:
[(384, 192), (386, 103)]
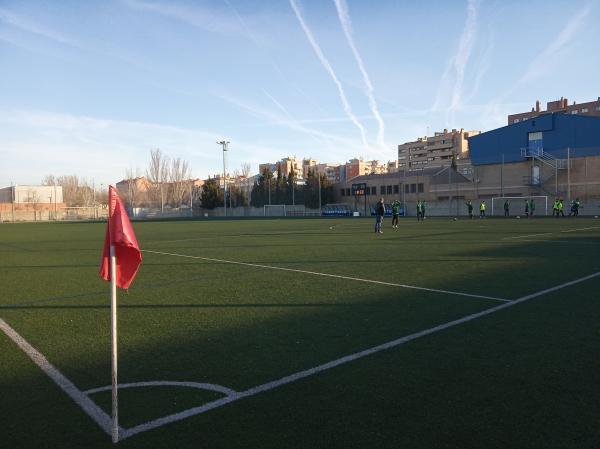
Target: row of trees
[(271, 188), (168, 182), (76, 191)]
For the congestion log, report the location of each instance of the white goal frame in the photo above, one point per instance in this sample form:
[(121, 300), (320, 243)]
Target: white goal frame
[(500, 201), (274, 205)]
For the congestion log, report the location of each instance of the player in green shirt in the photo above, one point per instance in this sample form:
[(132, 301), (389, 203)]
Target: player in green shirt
[(470, 208), (395, 212)]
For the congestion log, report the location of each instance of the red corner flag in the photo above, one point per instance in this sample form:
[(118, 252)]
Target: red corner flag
[(119, 233)]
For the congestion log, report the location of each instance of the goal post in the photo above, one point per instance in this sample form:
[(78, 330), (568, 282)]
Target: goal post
[(517, 205), (274, 210)]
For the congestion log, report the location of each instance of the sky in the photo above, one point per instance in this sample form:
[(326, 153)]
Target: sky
[(89, 88)]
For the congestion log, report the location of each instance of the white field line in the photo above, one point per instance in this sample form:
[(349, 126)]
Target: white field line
[(550, 233), (525, 236), (582, 229), (337, 276), (167, 383), (80, 398), (567, 242), (334, 363)]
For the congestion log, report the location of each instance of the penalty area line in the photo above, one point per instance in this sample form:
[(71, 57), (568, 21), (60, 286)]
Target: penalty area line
[(337, 276), (337, 362)]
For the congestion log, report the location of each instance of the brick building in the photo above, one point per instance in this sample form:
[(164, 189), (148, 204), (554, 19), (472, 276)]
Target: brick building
[(591, 108), (434, 151)]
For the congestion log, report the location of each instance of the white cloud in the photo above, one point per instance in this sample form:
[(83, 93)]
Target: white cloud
[(197, 16), (24, 24), (344, 16), (454, 74), (325, 63), (37, 143), (541, 65)]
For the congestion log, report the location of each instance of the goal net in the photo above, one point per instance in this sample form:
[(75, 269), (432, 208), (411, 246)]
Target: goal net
[(274, 210), (520, 205)]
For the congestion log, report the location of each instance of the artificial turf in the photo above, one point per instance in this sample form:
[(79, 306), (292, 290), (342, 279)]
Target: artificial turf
[(522, 377)]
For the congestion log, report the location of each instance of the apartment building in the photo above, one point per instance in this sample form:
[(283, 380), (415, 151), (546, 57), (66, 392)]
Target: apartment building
[(434, 151), (591, 108)]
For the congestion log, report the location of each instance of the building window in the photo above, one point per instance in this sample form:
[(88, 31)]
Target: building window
[(389, 190), (583, 110), (413, 188), (382, 190), (420, 187), (343, 192), (373, 190), (597, 108), (406, 188), (396, 188), (574, 111), (516, 120), (348, 191)]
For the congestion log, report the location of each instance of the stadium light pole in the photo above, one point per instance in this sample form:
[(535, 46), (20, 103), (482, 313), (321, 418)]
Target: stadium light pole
[(224, 143), (319, 176), (12, 200)]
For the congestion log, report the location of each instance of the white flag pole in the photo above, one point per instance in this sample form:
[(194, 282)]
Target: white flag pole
[(113, 312)]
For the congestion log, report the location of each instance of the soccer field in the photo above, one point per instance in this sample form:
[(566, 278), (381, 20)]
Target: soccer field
[(306, 333)]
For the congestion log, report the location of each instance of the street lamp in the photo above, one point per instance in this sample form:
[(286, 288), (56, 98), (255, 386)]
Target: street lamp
[(224, 143)]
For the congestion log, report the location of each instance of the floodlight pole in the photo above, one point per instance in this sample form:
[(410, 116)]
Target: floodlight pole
[(224, 143), (568, 174), (12, 198), (319, 176)]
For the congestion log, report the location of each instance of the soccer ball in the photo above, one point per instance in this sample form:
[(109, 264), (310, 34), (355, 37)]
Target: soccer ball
[(518, 216), (595, 216), (454, 218), (331, 227)]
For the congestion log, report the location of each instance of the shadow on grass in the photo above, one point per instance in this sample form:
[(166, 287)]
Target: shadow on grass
[(380, 401)]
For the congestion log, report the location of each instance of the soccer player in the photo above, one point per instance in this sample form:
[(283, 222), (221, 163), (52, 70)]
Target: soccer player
[(506, 208), (527, 208), (555, 208), (470, 208), (379, 213), (575, 205), (420, 210), (560, 208), (482, 209), (531, 207), (395, 210)]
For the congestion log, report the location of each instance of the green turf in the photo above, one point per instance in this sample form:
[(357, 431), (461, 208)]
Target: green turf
[(523, 377)]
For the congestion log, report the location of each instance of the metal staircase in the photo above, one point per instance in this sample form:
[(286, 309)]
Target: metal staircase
[(546, 158), (549, 160)]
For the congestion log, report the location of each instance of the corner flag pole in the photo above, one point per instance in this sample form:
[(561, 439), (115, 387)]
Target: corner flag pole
[(113, 316), (121, 258)]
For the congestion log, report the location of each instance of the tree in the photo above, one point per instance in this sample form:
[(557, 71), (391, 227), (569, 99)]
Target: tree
[(280, 188), (261, 191), (311, 190), (157, 174), (131, 196), (178, 175), (76, 191), (292, 197), (245, 169), (212, 195)]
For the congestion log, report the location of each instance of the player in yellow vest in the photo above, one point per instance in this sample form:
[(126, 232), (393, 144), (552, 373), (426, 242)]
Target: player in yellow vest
[(482, 209)]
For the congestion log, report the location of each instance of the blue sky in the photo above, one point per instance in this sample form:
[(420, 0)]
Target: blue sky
[(90, 87)]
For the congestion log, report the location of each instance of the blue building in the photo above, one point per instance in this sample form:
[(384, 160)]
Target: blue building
[(548, 133)]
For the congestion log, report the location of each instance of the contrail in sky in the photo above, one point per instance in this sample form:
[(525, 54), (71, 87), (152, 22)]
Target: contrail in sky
[(344, 16), (331, 72)]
